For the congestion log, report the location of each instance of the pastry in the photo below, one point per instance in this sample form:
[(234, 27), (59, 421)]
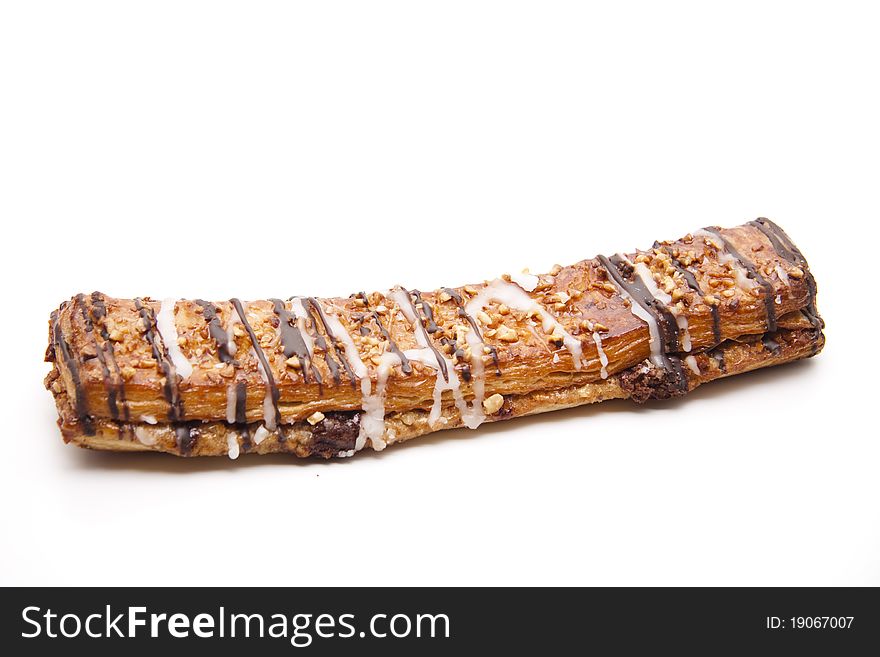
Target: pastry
[(330, 377)]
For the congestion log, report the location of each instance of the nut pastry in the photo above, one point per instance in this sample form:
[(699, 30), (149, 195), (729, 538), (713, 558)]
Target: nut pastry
[(331, 377)]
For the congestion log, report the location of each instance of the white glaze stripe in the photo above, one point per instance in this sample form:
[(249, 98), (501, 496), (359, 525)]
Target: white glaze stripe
[(301, 315), (168, 332), (647, 277), (231, 401), (691, 362), (471, 416), (372, 421), (656, 345), (232, 445), (514, 297), (743, 282)]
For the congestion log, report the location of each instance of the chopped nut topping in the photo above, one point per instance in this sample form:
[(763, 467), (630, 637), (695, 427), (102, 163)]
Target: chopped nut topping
[(507, 334), (127, 372), (444, 297), (797, 272), (484, 318), (555, 269), (504, 310), (293, 362), (116, 335), (408, 418), (315, 417), (238, 331), (470, 289), (728, 293), (710, 300), (493, 404)]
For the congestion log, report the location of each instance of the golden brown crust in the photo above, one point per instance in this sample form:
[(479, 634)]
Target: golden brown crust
[(300, 439), (527, 362), (113, 364)]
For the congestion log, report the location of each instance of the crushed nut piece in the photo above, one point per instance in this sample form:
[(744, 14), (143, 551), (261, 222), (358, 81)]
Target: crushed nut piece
[(315, 417), (797, 272), (507, 334), (127, 372), (444, 297), (493, 404), (293, 362)]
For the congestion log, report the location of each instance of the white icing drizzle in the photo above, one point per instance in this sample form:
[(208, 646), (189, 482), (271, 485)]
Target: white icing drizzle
[(513, 297), (478, 378), (603, 358), (168, 331), (472, 416), (231, 402), (231, 347), (299, 311), (691, 362), (232, 445), (526, 281), (260, 434), (145, 436), (655, 343), (743, 282), (647, 277), (372, 421), (268, 403)]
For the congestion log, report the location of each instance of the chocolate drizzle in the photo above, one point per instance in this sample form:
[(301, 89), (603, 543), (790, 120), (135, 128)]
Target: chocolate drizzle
[(79, 402), (620, 271), (692, 283), (622, 274), (186, 438), (405, 365), (784, 247), (241, 402), (99, 313), (771, 345), (293, 343), (258, 350), (104, 351), (430, 324), (315, 310), (215, 328), (419, 326), (169, 388), (459, 302), (754, 274)]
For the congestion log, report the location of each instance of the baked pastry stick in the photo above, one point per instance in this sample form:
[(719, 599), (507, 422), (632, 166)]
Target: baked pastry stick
[(330, 377)]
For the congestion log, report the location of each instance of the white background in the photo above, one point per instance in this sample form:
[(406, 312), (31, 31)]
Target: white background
[(268, 149)]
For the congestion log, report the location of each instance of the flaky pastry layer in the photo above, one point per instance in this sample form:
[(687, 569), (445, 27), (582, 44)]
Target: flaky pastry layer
[(330, 376)]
